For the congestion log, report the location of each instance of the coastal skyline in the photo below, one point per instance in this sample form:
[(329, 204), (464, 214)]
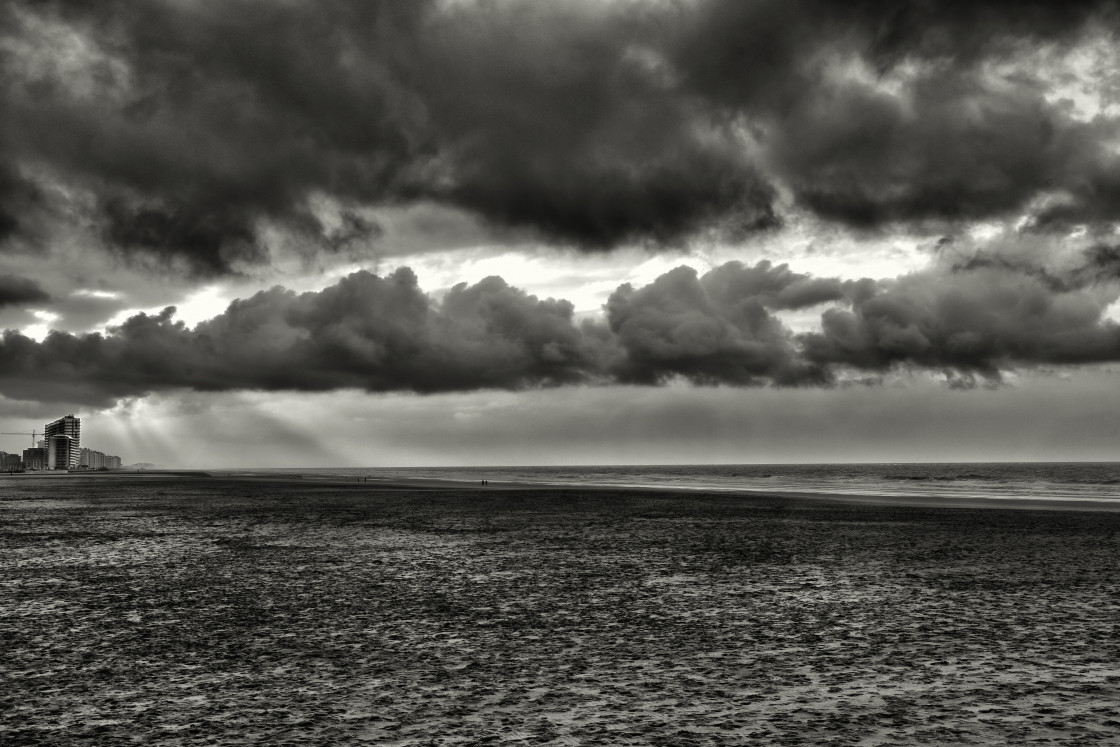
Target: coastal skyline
[(424, 233)]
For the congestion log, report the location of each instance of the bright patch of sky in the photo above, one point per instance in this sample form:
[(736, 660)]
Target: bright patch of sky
[(587, 280), (91, 293), (1112, 312), (40, 329)]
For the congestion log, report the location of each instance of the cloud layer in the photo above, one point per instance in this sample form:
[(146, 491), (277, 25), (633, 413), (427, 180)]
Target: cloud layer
[(172, 131), (968, 320)]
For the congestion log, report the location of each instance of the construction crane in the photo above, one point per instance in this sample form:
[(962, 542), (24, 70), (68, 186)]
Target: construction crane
[(31, 433)]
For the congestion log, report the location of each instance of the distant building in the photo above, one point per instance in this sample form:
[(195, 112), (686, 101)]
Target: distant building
[(10, 462), (90, 459), (35, 458), (68, 426), (93, 459)]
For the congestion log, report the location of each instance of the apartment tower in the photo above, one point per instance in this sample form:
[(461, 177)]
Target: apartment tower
[(63, 453)]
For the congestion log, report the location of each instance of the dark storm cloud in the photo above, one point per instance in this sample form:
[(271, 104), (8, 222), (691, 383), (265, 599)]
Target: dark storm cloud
[(16, 291), (188, 124), (212, 239), (764, 53), (563, 119), (18, 197), (193, 122), (1101, 263), (927, 132), (947, 140), (963, 31), (955, 150), (226, 114), (722, 327)]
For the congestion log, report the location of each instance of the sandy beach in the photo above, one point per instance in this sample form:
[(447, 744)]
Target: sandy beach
[(192, 609)]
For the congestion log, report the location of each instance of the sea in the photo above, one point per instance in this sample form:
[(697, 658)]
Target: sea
[(1061, 481)]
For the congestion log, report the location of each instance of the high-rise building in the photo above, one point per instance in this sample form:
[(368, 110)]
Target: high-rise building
[(70, 427), (60, 452), (10, 462)]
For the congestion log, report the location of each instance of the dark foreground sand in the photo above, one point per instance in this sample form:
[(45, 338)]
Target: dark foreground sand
[(169, 610)]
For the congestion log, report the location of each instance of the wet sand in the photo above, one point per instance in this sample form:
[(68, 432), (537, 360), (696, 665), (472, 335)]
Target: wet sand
[(163, 609)]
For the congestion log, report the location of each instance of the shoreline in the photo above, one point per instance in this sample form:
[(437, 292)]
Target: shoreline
[(374, 484)]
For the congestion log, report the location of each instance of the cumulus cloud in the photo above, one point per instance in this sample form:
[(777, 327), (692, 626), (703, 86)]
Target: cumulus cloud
[(714, 329), (174, 131), (366, 332), (968, 320), (976, 318)]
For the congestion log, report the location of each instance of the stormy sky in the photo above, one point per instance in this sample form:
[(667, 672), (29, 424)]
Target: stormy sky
[(346, 232)]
